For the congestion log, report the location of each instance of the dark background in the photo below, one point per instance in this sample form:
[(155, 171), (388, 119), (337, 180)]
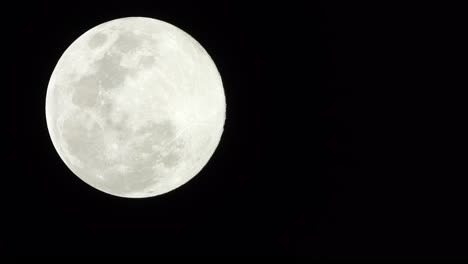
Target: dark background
[(342, 138)]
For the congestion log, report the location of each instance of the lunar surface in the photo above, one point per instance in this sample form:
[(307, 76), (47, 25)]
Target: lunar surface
[(135, 107)]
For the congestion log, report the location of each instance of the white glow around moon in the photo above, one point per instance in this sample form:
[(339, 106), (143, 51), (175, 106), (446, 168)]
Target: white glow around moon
[(135, 107)]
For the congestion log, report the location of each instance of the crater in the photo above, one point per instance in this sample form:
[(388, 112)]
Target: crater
[(128, 42), (110, 73), (86, 91), (147, 61), (158, 144), (141, 174), (158, 133), (117, 120), (105, 107), (83, 143), (97, 40), (170, 160)]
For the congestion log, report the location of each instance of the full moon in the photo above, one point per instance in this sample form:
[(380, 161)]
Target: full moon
[(135, 107)]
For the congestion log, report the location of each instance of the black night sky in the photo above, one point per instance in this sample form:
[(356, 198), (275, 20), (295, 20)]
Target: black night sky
[(341, 141)]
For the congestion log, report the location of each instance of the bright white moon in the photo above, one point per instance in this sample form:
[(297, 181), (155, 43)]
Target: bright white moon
[(135, 107)]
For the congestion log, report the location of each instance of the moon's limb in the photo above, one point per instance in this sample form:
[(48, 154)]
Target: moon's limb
[(135, 107)]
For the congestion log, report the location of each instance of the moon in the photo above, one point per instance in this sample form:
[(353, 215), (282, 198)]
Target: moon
[(135, 107)]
